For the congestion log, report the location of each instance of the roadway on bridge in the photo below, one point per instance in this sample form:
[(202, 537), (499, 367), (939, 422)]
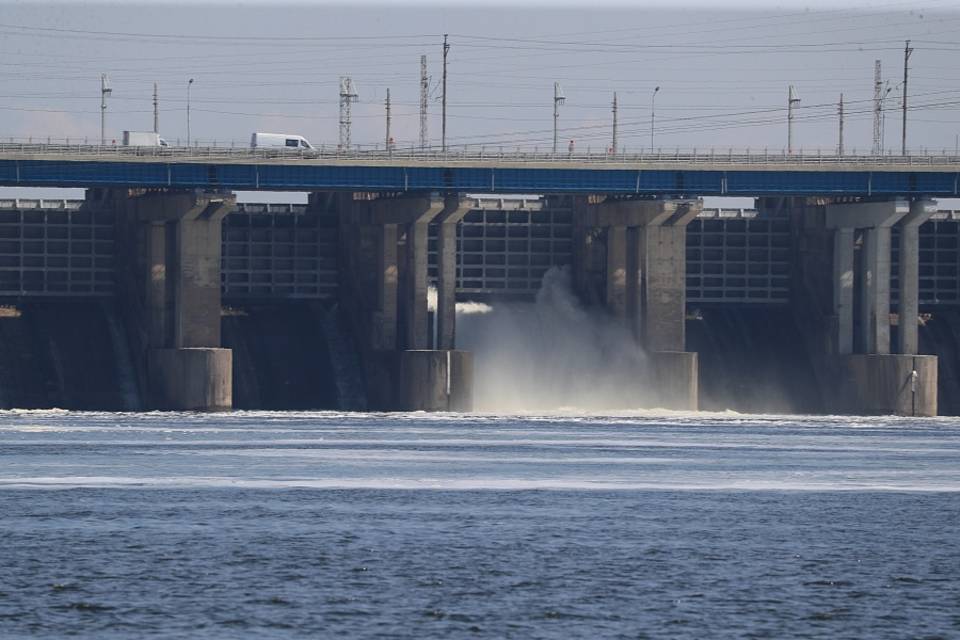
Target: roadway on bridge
[(733, 174)]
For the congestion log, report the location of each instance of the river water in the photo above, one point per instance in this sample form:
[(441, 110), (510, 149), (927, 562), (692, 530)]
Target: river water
[(640, 525)]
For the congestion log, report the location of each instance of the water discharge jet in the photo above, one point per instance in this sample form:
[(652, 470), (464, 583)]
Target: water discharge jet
[(553, 354)]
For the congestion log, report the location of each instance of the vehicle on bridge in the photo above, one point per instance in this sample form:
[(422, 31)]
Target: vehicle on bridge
[(278, 140), (143, 139)]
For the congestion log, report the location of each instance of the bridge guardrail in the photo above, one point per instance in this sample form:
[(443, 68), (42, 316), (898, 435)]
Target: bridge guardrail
[(414, 155)]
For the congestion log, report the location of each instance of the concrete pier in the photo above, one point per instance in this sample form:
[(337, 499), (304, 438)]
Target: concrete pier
[(630, 254), (191, 379), (171, 271), (858, 374), (675, 375), (885, 384), (435, 380), (384, 247)]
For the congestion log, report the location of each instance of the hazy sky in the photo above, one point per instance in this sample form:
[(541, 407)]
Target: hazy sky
[(273, 66)]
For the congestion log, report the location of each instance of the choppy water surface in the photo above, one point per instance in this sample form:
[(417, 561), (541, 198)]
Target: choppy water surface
[(326, 525)]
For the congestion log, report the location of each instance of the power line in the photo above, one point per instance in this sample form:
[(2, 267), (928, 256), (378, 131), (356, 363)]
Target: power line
[(209, 37)]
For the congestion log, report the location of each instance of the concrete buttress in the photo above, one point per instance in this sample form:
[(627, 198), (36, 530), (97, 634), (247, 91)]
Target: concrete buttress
[(857, 372), (385, 242), (643, 280), (171, 271)]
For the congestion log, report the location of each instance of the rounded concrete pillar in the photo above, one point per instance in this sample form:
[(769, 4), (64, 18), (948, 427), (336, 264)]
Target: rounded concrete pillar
[(435, 381), (194, 379), (884, 384), (676, 375)]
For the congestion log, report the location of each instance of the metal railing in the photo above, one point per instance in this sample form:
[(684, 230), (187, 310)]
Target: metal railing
[(474, 154)]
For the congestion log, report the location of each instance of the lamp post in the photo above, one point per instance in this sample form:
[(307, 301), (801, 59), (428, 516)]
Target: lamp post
[(883, 116), (105, 91), (558, 99), (653, 98), (792, 99), (189, 84)]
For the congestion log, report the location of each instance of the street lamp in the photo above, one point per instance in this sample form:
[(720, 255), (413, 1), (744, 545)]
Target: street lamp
[(189, 84), (105, 91), (653, 98), (883, 116), (558, 99)]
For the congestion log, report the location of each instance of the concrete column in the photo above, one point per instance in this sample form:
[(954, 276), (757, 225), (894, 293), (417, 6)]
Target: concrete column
[(616, 282), (909, 273), (157, 299), (197, 275), (843, 289), (875, 218), (455, 208), (633, 280), (384, 328), (663, 310), (415, 324), (873, 327)]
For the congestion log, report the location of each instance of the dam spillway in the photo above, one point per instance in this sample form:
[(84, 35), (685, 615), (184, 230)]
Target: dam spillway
[(292, 264)]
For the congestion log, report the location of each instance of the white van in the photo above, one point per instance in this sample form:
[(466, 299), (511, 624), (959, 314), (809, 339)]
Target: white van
[(278, 141), (143, 139)]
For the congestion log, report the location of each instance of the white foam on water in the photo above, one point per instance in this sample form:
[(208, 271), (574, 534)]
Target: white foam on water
[(470, 484)]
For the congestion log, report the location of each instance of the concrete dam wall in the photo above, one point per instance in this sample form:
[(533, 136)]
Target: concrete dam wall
[(325, 305)]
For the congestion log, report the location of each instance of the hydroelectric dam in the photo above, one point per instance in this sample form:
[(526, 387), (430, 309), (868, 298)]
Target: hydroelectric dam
[(837, 292)]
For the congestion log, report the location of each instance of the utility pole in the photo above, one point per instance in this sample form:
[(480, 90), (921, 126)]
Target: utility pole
[(443, 123), (189, 84), (877, 106), (156, 112), (653, 99), (558, 100), (424, 99), (907, 50), (348, 96), (792, 99), (105, 91), (613, 145), (840, 143), (388, 142)]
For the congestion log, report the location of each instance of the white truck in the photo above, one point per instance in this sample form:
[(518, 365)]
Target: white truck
[(143, 139), (278, 141)]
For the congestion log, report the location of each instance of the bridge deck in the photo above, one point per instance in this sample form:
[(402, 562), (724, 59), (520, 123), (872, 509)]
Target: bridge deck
[(480, 172)]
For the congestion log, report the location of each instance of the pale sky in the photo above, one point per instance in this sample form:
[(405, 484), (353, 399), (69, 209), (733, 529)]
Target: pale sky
[(723, 73), (271, 66)]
